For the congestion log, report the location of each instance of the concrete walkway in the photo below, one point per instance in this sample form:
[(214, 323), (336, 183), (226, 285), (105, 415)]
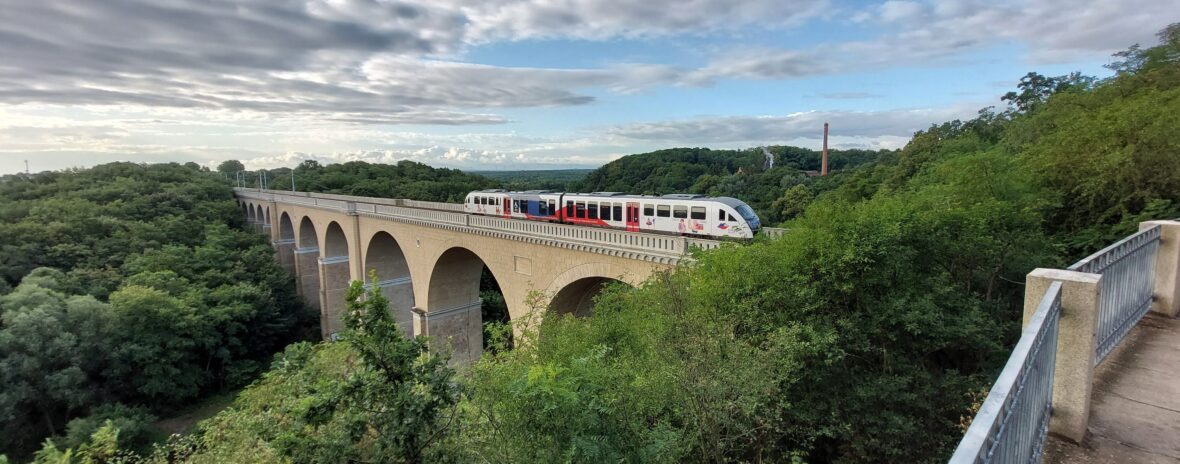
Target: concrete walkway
[(1135, 414)]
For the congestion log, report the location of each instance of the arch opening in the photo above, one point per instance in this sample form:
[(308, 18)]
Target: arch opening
[(335, 277), (385, 258), (577, 298), (259, 215), (307, 234), (335, 243), (249, 212), (286, 229), (307, 266), (285, 245), (462, 304)]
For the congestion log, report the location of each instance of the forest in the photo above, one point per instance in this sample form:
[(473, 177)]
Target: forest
[(863, 335)]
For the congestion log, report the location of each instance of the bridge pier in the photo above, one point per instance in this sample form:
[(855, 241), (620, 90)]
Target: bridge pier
[(335, 277), (400, 293), (285, 254), (458, 330), (307, 272)]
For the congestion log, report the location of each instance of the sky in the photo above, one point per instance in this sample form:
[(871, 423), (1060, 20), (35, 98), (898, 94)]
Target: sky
[(509, 84)]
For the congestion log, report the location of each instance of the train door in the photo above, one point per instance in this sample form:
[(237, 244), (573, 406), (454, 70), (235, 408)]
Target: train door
[(632, 217), (507, 206)]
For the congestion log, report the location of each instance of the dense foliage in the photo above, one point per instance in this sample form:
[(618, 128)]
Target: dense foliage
[(744, 174), (134, 293), (406, 179)]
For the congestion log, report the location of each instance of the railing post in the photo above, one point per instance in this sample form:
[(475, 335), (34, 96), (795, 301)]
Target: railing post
[(1167, 268), (1073, 377)]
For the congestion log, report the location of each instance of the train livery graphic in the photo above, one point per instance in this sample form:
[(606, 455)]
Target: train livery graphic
[(681, 214)]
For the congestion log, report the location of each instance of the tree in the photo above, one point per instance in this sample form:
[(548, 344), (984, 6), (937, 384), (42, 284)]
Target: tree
[(230, 167), (793, 202), (396, 400), (1035, 89)]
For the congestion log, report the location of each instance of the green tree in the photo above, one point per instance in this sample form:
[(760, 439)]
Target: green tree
[(396, 402), (230, 167), (793, 202)]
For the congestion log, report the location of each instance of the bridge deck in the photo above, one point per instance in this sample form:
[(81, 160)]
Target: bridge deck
[(1135, 414)]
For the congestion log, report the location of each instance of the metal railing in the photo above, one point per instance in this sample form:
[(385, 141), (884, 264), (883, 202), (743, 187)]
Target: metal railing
[(1128, 278), (1013, 421)]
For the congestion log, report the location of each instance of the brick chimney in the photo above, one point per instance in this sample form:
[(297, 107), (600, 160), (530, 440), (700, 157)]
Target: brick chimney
[(823, 170)]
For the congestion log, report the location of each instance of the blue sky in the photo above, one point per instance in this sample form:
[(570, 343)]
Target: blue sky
[(512, 84)]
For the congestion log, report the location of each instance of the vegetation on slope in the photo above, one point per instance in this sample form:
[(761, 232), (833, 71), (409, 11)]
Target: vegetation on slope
[(406, 179), (127, 291)]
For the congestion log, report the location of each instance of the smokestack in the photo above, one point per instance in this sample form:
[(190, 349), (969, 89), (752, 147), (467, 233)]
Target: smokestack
[(823, 170)]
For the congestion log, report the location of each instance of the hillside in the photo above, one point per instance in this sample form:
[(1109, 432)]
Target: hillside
[(734, 173)]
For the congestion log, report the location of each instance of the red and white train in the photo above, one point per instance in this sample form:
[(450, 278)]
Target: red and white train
[(683, 214)]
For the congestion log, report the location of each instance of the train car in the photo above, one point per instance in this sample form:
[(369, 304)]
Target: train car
[(678, 214), (537, 205)]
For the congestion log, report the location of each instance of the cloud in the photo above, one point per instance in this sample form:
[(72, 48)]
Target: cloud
[(945, 31), (849, 95), (898, 123), (357, 61), (492, 20)]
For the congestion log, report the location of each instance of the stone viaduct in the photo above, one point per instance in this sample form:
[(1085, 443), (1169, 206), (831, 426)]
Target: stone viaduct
[(429, 256)]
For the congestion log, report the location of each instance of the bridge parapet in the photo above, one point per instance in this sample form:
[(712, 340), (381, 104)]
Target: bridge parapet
[(1079, 316)]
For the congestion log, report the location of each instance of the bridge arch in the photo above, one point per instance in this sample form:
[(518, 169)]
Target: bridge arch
[(453, 302), (249, 210), (286, 228), (385, 257), (573, 291), (259, 215), (577, 298)]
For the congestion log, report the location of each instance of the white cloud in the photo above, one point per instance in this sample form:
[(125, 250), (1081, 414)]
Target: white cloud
[(943, 31), (492, 20), (894, 124)]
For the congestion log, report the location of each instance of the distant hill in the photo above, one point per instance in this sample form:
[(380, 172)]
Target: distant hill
[(741, 174)]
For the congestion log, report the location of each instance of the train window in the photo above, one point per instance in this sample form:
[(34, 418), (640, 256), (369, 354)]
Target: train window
[(543, 208), (580, 210), (648, 210), (680, 212), (731, 219), (569, 209), (663, 210), (605, 214), (618, 211), (697, 212), (592, 211), (552, 207), (720, 215)]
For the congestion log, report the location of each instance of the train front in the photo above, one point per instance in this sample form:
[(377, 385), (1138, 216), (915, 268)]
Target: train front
[(745, 214)]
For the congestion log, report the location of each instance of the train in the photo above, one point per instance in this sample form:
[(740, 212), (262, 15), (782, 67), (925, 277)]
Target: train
[(677, 214)]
